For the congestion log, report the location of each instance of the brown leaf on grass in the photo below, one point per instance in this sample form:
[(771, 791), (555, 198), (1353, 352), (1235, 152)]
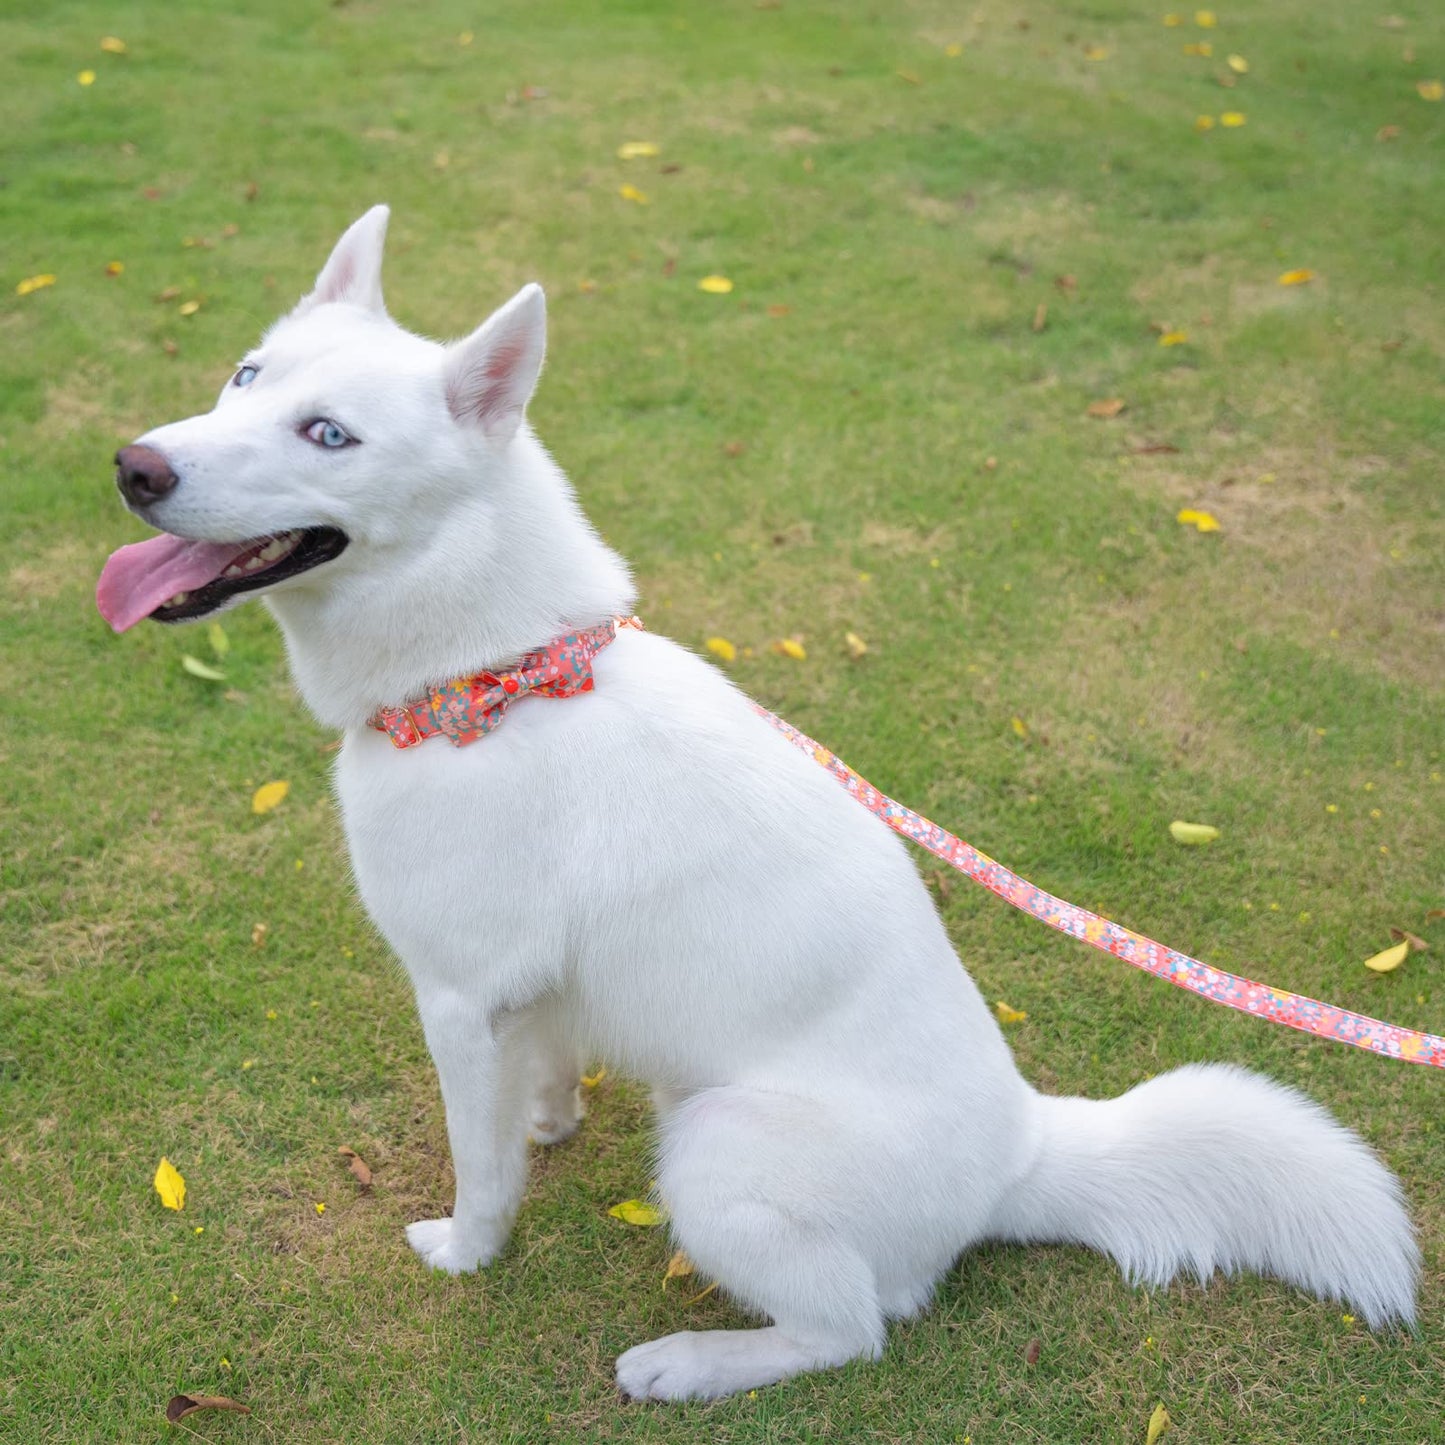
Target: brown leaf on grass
[(169, 294), (678, 1267), (357, 1165), (734, 449), (1417, 944), (1066, 283), (258, 935), (252, 190), (1110, 406), (182, 1405), (1041, 316), (1154, 449), (1031, 1352), (777, 310), (1431, 914)]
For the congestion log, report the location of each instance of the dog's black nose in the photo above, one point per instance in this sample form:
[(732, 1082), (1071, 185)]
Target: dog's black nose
[(143, 475)]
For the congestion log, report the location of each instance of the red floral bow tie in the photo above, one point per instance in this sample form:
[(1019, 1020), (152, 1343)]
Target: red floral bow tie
[(468, 708)]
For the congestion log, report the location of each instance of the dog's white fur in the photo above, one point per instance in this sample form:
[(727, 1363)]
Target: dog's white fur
[(650, 874)]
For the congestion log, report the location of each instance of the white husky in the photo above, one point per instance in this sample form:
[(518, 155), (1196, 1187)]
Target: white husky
[(650, 874)]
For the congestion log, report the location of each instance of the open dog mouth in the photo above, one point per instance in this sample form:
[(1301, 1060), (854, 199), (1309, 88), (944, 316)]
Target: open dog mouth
[(171, 579)]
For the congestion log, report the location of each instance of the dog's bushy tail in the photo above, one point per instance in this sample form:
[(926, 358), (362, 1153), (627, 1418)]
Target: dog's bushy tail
[(1213, 1168)]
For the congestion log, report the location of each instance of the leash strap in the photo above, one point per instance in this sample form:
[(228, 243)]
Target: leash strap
[(1292, 1009)]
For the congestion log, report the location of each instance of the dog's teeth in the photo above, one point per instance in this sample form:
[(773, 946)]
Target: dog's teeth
[(272, 550), (234, 570), (177, 599), (252, 563)]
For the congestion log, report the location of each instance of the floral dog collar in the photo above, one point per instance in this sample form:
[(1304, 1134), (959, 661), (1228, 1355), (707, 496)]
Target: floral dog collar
[(468, 708)]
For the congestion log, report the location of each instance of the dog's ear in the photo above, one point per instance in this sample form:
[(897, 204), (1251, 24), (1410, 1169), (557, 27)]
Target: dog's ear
[(352, 273), (491, 375)]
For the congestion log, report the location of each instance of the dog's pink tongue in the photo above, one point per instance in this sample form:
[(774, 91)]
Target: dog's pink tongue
[(137, 579)]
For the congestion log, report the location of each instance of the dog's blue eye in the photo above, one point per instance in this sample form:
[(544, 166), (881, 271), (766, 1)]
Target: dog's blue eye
[(327, 434), (245, 376)]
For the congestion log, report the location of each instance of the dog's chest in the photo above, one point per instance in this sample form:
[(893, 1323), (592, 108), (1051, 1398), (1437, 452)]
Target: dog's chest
[(449, 848)]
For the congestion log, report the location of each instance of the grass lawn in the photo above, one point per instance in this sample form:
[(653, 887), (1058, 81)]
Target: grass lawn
[(940, 259)]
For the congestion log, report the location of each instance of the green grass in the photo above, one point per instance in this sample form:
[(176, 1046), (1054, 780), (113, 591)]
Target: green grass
[(1281, 679)]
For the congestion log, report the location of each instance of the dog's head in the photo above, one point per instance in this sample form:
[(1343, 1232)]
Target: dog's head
[(319, 446)]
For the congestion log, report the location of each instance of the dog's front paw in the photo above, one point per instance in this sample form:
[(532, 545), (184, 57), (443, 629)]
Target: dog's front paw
[(441, 1246), (556, 1115)]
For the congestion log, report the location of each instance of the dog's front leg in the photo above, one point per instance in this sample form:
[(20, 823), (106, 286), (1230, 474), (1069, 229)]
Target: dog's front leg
[(488, 1131)]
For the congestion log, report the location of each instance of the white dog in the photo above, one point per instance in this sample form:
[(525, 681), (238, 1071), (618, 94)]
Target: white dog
[(647, 872)]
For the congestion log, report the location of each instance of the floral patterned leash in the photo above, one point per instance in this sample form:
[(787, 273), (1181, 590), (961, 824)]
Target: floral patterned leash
[(1293, 1009)]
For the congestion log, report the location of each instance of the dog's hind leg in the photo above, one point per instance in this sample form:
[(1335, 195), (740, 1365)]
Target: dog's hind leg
[(752, 1184)]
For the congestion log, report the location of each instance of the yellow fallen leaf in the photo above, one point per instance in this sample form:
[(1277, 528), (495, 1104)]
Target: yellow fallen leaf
[(1205, 19), (268, 796), (1193, 834), (258, 934), (114, 268), (1020, 727), (34, 283), (197, 668), (1203, 521), (86, 77), (1096, 52), (189, 308), (1110, 406), (1238, 64), (1296, 278), (591, 1081), (702, 1295), (1203, 122), (1007, 1015), (112, 45), (953, 50), (1200, 47), (678, 1267), (169, 1185), (634, 1211), (216, 636), (320, 1208), (855, 645), (631, 193), (1174, 338), (1159, 1422), (637, 150), (1389, 960), (715, 285), (1430, 89), (721, 647), (791, 647), (1232, 118), (1172, 20)]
